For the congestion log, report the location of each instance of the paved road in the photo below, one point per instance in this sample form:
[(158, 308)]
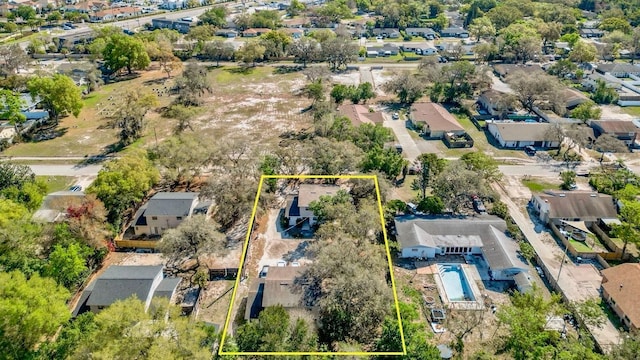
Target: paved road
[(66, 170), (578, 282), (498, 84)]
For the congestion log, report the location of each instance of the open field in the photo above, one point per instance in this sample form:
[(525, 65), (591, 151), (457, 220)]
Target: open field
[(57, 183), (256, 102), (539, 185)]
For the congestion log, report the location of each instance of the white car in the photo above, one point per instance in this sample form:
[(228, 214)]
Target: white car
[(282, 263), (540, 272), (295, 264)]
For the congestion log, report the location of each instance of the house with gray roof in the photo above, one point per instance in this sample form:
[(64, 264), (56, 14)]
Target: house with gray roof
[(619, 70), (297, 210), (122, 282), (281, 286), (517, 135), (485, 236), (558, 206), (167, 210)]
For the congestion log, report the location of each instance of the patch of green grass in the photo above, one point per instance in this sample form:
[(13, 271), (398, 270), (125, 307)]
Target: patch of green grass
[(632, 110), (385, 59), (235, 74), (98, 96), (57, 183), (580, 246), (611, 315), (539, 186)]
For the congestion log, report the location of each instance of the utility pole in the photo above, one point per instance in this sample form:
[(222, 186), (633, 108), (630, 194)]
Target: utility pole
[(566, 248)]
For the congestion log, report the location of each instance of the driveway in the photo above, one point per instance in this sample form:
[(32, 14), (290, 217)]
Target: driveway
[(499, 85), (409, 147)]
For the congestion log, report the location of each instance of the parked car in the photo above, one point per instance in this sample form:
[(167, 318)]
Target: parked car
[(540, 272), (573, 186), (395, 116), (295, 264), (530, 150), (282, 263), (478, 205), (264, 271), (76, 188)]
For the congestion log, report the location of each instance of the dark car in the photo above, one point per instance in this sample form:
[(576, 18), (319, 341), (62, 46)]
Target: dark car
[(478, 205), (530, 150)]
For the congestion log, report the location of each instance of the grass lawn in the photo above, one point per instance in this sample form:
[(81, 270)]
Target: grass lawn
[(580, 246), (404, 192), (632, 110), (57, 183), (615, 320), (539, 186), (385, 59)]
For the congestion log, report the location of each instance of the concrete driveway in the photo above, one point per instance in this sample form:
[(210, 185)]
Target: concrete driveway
[(66, 170), (410, 148)]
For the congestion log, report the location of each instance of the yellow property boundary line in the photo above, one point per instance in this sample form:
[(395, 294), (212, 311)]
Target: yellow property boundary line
[(244, 253)]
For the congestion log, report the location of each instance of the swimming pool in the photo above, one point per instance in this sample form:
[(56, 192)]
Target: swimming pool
[(455, 283)]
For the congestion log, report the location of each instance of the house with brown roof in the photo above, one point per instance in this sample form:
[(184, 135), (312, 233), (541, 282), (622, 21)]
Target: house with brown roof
[(587, 206), (573, 98), (360, 114), (516, 135), (298, 211), (494, 102), (434, 120), (621, 289), (296, 23), (626, 131), (280, 286), (505, 70), (255, 32), (116, 13)]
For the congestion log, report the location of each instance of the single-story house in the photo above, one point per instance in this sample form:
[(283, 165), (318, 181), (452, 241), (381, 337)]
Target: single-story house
[(69, 41), (386, 32), (296, 23), (54, 206), (591, 33), (425, 32), (294, 32), (360, 114), (557, 206), (504, 70), (454, 32), (619, 70), (573, 98), (228, 33), (167, 210), (297, 210), (255, 32), (116, 13), (492, 101), (426, 51), (521, 134), (385, 50), (621, 289), (626, 131), (280, 286), (122, 282), (427, 238), (435, 120), (179, 25)]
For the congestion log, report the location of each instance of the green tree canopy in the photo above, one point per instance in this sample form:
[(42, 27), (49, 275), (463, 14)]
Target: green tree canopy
[(125, 52), (30, 310), (58, 93), (10, 106)]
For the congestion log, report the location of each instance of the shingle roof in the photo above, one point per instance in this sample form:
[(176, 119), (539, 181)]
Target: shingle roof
[(435, 116), (279, 287), (121, 282), (499, 250), (312, 192), (171, 203), (167, 287), (579, 205), (627, 295), (618, 68), (522, 131), (359, 114), (616, 126)]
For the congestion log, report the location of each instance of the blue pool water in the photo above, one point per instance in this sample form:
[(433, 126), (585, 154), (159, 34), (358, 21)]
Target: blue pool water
[(455, 283)]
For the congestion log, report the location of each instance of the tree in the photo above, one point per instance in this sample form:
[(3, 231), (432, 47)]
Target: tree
[(340, 93), (629, 229), (58, 94), (123, 182), (533, 89), (503, 16), (295, 7), (12, 59), (276, 43), (520, 41), (610, 143), (54, 17), (326, 156), (550, 31), (387, 161), (194, 237), (67, 264), (482, 164), (414, 331), (583, 52), (25, 12), (603, 94), (193, 85), (406, 86), (525, 320), (568, 178), (87, 221), (339, 52), (305, 49), (275, 330), (363, 92), (587, 111), (615, 23), (125, 52), (169, 63), (129, 115), (30, 311), (429, 166), (482, 27), (184, 115), (457, 81), (250, 52), (127, 329), (11, 105), (314, 91), (590, 313), (218, 50), (181, 159), (456, 185), (629, 349), (216, 16)]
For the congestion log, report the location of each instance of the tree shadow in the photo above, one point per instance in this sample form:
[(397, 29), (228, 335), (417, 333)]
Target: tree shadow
[(160, 81), (44, 134), (298, 253), (241, 70), (286, 69), (119, 78)]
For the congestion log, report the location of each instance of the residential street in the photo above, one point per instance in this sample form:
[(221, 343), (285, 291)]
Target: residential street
[(66, 170), (577, 282)]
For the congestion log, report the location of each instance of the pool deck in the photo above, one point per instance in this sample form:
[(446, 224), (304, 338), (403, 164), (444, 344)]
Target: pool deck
[(477, 304)]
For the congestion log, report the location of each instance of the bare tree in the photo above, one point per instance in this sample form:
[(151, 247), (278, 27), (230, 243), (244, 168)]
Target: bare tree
[(533, 89), (193, 85), (12, 59)]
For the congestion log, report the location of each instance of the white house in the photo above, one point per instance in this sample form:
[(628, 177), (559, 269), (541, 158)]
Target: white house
[(558, 206), (297, 210), (486, 236), (167, 210), (520, 134)]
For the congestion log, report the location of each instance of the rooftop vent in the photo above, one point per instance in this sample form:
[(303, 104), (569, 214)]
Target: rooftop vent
[(562, 195)]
